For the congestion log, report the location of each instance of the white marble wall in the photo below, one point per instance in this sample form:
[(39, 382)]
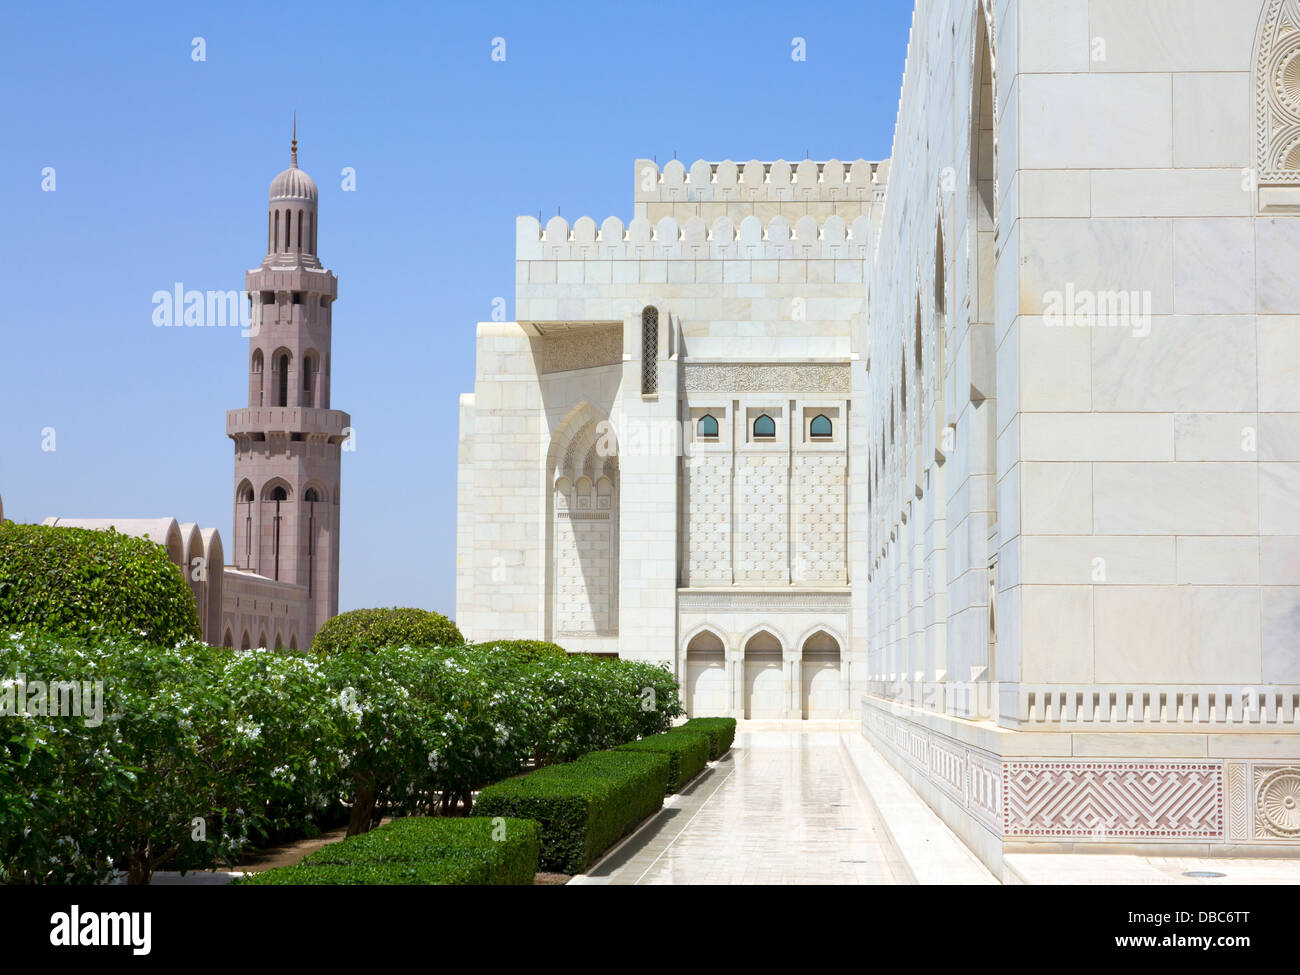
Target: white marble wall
[(1094, 248)]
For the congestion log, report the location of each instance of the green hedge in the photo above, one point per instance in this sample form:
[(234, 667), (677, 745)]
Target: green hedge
[(260, 742), (528, 648), (420, 850), (721, 732), (371, 629), (585, 806), (687, 751), (242, 743), (81, 582)]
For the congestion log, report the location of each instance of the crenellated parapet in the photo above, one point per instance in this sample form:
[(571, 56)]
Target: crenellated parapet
[(808, 187), (806, 180), (694, 239)]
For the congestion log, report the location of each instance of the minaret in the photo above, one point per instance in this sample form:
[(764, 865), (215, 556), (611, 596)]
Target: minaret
[(287, 440)]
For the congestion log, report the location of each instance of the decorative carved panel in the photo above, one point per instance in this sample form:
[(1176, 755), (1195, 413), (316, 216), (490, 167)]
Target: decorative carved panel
[(815, 377)]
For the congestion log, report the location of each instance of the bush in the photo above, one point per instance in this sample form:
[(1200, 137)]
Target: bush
[(81, 582), (527, 648), (256, 742), (371, 629), (584, 704), (721, 732), (584, 807), (419, 850), (231, 743), (687, 751), (426, 728)]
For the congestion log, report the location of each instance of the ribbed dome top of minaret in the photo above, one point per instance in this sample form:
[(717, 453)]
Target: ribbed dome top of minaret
[(293, 183)]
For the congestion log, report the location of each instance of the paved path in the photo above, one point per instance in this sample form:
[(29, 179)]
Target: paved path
[(784, 807)]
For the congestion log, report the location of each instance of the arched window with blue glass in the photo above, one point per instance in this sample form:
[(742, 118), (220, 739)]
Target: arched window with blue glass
[(707, 428), (764, 428), (820, 428)]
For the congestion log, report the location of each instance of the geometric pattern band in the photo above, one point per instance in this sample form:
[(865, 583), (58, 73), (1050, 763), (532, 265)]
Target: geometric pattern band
[(1119, 800)]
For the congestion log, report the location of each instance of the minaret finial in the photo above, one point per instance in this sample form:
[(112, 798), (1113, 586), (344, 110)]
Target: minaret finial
[(293, 149)]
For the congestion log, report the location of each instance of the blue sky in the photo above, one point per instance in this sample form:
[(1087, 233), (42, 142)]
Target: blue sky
[(161, 170)]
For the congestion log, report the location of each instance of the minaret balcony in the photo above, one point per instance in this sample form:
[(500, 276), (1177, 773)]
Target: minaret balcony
[(306, 420)]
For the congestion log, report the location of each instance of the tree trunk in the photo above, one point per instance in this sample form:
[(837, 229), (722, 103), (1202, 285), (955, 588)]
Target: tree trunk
[(138, 871), (363, 810)]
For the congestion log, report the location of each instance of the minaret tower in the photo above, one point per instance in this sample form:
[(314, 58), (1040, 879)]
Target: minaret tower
[(288, 441)]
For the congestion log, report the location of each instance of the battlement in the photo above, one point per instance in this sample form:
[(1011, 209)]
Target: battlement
[(696, 239), (762, 189), (807, 180)]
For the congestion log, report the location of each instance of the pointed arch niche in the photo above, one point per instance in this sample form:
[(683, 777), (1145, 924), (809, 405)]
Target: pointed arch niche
[(582, 576)]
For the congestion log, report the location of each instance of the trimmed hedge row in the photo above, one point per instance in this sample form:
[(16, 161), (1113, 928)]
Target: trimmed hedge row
[(420, 850), (584, 806), (687, 751), (721, 732)]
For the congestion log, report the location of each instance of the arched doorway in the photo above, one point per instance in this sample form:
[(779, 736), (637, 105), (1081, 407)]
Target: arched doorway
[(706, 675), (822, 682), (764, 677)]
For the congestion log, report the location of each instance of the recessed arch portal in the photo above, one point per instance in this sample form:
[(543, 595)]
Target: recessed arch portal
[(582, 467), (765, 695), (706, 679)]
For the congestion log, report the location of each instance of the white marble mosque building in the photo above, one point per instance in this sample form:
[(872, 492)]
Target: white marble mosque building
[(993, 446)]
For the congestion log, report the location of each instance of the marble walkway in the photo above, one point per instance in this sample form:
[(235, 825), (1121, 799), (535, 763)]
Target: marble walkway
[(787, 807)]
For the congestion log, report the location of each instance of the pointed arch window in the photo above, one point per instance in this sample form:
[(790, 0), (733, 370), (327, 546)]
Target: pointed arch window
[(257, 376), (308, 380), (282, 379), (820, 428), (707, 428), (279, 495), (310, 498), (764, 428)]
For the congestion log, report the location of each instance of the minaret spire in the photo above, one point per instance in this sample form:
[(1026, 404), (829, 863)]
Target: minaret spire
[(293, 148)]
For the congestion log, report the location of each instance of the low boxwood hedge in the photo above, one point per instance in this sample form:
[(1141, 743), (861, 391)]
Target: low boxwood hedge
[(721, 732), (584, 806), (371, 629), (687, 751), (420, 850), (77, 581)]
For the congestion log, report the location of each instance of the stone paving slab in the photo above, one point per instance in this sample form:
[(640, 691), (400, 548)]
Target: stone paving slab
[(1101, 868)]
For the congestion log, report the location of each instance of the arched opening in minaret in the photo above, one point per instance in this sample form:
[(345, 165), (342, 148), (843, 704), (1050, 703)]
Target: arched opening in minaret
[(282, 379), (309, 369), (311, 497), (244, 521), (278, 495), (277, 230), (300, 230), (256, 393)]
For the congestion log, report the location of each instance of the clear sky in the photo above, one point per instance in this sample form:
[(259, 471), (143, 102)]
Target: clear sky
[(161, 166)]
